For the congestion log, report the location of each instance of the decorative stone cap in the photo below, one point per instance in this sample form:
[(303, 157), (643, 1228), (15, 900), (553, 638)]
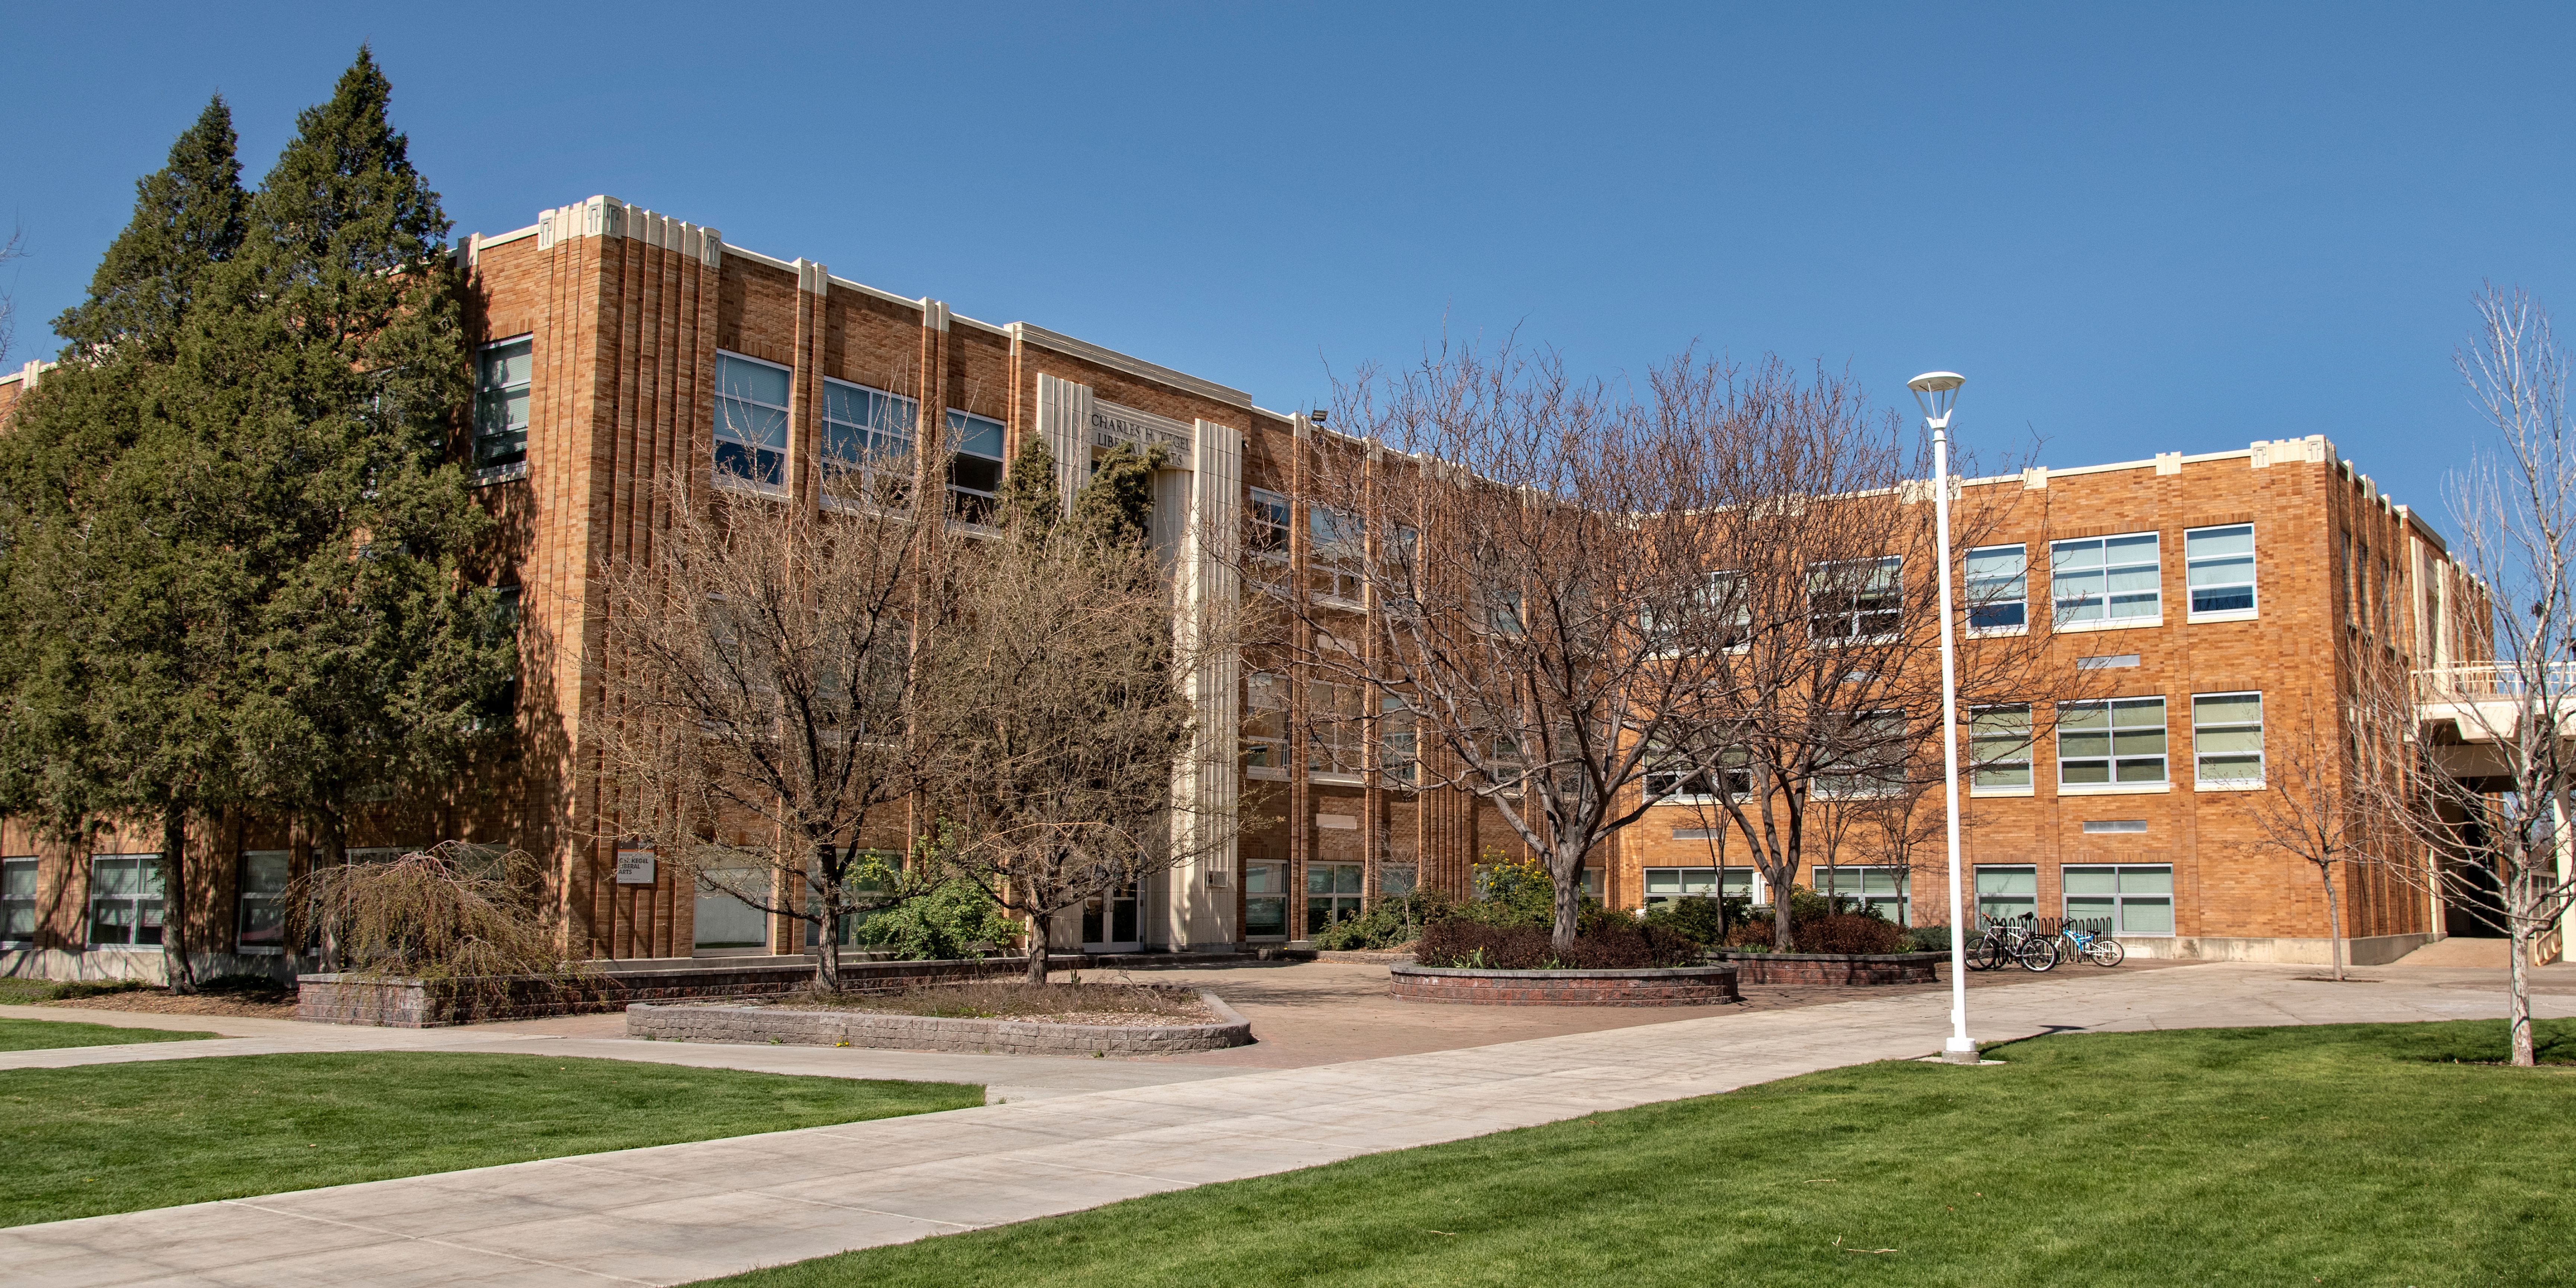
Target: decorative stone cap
[(1649, 972)]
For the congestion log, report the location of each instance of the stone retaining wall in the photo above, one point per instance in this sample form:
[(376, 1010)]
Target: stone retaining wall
[(704, 1022), (1675, 986), (413, 1004), (1836, 968)]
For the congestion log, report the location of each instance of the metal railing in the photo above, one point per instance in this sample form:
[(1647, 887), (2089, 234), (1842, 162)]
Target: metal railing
[(2478, 681)]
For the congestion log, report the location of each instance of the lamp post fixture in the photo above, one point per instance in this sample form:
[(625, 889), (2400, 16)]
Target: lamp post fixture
[(1937, 393)]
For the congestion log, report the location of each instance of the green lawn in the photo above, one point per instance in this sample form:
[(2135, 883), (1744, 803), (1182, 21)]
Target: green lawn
[(2347, 1155), (39, 1035), (117, 1138)]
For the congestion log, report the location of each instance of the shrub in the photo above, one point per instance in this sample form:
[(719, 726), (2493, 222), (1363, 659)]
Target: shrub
[(1393, 923), (955, 919), (1610, 946), (460, 913), (1701, 920), (1927, 939), (93, 988), (1819, 925)]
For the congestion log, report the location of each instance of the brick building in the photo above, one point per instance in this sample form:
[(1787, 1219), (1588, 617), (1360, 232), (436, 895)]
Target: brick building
[(615, 344)]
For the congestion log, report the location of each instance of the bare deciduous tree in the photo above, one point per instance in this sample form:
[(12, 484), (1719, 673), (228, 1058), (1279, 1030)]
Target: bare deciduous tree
[(11, 251), (2320, 797), (767, 742)]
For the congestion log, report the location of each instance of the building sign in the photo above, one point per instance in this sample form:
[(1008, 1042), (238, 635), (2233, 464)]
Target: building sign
[(634, 867), (1112, 424)]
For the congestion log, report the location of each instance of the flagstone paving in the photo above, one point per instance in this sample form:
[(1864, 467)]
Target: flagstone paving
[(675, 1213)]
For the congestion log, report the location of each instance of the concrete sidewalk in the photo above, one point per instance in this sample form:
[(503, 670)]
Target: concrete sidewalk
[(677, 1213)]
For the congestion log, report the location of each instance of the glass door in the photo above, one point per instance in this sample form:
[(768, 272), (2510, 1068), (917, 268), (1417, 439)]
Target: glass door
[(1265, 901), (1110, 925), (1332, 894)]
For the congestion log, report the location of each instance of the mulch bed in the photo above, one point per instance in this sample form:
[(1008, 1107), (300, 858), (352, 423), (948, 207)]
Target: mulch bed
[(162, 1002), (1123, 1005)]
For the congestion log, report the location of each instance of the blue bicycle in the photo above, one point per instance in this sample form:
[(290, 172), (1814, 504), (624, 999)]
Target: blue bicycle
[(2091, 940)]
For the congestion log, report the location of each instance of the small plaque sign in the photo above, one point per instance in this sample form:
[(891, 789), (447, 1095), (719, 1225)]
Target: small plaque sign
[(634, 867)]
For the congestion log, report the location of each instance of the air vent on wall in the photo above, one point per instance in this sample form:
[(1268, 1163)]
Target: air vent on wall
[(2096, 827), (2108, 662)]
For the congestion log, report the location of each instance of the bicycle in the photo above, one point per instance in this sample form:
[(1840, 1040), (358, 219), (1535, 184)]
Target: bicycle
[(2092, 943), (2022, 944)]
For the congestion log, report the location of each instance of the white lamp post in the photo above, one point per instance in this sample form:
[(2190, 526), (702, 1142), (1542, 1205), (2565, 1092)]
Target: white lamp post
[(1937, 392)]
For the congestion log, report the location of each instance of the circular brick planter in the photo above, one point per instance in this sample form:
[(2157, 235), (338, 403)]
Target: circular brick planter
[(1669, 986), (1836, 968), (835, 1027)]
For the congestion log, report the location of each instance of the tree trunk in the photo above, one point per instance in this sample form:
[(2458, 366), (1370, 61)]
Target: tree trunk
[(827, 954), (2518, 937), (2334, 920), (174, 901), (1037, 949), (1783, 931), (1569, 908)]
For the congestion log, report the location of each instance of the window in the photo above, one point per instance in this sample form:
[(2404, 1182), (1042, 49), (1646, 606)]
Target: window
[(1396, 740), (1395, 880), (1855, 599), (1265, 725), (1866, 757), (262, 912), (501, 404), (1999, 749), (863, 425), (1334, 736), (2118, 741), (1503, 609), (124, 900), (1332, 894), (1677, 782), (2135, 899), (1731, 608), (1111, 920), (1885, 889), (2227, 739), (751, 421), (1265, 901), (1999, 588), (1664, 885), (18, 900), (1269, 515), (974, 466), (2005, 893), (2106, 579), (1338, 539), (2218, 568), (2351, 584), (725, 923)]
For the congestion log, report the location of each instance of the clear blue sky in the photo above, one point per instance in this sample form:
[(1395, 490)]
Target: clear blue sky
[(2134, 228)]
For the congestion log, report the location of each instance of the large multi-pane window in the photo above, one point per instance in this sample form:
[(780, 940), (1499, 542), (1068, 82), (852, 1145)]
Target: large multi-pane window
[(1868, 756), (1335, 737), (2137, 899), (724, 923), (18, 900), (1998, 588), (751, 420), (1999, 748), (1397, 740), (1265, 900), (1339, 544), (863, 425), (974, 465), (1396, 880), (2004, 893), (1663, 885), (2227, 739), (262, 924), (1855, 599), (1884, 890), (501, 403), (1332, 894), (124, 900), (2112, 742), (1268, 513), (1265, 724), (2218, 567), (2106, 579), (1678, 782)]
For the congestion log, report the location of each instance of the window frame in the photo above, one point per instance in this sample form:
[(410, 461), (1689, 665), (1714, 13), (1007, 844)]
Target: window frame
[(2057, 579), (723, 434), (2262, 764), (1978, 893), (1687, 881), (1265, 881), (273, 901), (1902, 900), (2113, 784), (1820, 578), (1847, 781), (1266, 754), (2192, 611), (2120, 896), (32, 900), (1398, 723), (1969, 580), (905, 438), (1328, 555), (979, 512), (1334, 896), (2028, 746), (147, 891), (1325, 762), (513, 463)]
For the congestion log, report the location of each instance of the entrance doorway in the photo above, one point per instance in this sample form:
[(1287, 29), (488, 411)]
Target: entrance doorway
[(1110, 924)]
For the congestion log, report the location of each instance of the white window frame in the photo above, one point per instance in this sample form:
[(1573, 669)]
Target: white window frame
[(1980, 889), (1343, 756), (1269, 515), (2113, 785), (724, 432), (1266, 881), (487, 396), (2120, 896), (2018, 583), (246, 900), (2103, 600), (980, 511), (1399, 742), (1992, 745), (1333, 538), (1861, 782), (899, 431), (20, 877), (1266, 753), (2191, 589), (1901, 901), (1669, 884), (147, 897), (1823, 577), (2199, 759)]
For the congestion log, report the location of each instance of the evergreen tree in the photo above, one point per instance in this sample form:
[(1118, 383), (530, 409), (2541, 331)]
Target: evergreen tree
[(1029, 508), (187, 215), (1116, 508)]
